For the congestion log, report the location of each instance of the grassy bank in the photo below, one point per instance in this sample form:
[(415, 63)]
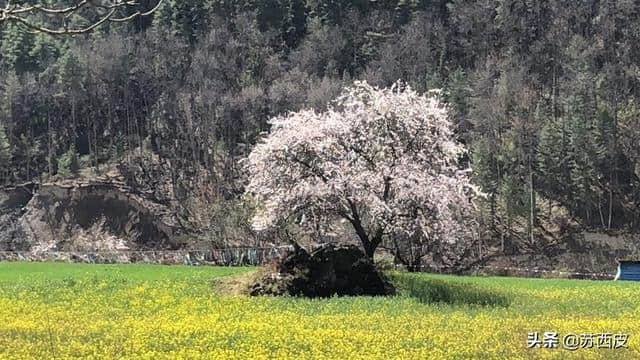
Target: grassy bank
[(151, 311)]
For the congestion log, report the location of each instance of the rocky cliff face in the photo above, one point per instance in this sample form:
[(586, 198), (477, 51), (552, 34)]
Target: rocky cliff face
[(14, 235), (83, 216)]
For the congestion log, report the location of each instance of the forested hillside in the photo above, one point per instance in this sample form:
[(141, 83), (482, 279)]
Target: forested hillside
[(545, 95)]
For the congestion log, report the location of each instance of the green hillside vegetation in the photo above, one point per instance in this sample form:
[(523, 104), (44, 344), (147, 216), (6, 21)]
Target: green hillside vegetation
[(545, 94)]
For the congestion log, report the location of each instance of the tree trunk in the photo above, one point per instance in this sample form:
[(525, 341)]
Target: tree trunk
[(368, 244), (613, 180), (369, 250), (610, 203), (49, 145), (96, 147), (600, 208), (532, 201)]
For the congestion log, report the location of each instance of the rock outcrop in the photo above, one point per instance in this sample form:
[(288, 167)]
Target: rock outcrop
[(14, 234), (326, 271), (79, 216)]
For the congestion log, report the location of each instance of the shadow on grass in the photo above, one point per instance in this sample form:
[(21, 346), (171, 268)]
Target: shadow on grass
[(429, 291)]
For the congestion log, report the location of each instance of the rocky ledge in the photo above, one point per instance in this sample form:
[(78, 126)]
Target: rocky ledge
[(76, 216)]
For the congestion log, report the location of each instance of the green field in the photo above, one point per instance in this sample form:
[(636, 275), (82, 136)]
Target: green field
[(55, 310)]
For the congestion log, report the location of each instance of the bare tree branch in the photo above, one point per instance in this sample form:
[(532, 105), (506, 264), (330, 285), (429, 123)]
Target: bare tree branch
[(24, 14)]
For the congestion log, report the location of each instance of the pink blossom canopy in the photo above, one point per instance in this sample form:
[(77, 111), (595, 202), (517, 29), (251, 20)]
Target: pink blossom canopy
[(386, 158)]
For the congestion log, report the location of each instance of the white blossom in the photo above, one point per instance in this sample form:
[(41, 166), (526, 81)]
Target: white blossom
[(384, 158)]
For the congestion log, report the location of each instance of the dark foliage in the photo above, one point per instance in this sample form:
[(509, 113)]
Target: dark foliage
[(546, 94), (327, 271)]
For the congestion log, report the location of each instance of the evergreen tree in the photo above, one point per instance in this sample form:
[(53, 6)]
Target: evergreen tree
[(5, 155), (68, 165), (185, 19), (484, 163), (15, 48), (552, 164), (586, 154)]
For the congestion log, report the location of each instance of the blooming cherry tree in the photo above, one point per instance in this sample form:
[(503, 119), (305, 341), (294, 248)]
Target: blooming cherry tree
[(385, 160)]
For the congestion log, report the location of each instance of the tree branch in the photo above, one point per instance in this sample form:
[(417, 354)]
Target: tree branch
[(23, 15)]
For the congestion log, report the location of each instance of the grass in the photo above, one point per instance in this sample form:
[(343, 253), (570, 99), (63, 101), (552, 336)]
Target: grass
[(22, 272), (430, 290), (56, 310)]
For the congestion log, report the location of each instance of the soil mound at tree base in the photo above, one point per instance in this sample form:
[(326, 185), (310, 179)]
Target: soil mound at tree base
[(326, 271)]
